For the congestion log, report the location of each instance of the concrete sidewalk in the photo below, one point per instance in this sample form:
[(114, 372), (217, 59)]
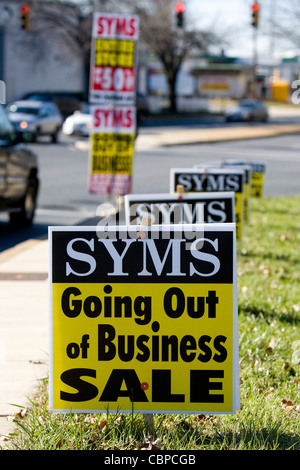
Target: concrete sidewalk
[(164, 137), (23, 327), (209, 135)]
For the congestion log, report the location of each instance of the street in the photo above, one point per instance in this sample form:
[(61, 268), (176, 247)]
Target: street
[(64, 198)]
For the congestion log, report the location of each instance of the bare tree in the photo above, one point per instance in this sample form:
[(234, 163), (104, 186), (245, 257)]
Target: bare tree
[(64, 24), (170, 43), (67, 24), (70, 23), (284, 23)]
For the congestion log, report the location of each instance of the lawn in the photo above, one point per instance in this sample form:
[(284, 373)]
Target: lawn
[(269, 349)]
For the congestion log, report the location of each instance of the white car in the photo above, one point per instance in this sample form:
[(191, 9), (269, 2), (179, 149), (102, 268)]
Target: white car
[(79, 123), (37, 117)]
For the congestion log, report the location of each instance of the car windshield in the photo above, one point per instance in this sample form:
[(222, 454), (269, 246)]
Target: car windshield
[(23, 109)]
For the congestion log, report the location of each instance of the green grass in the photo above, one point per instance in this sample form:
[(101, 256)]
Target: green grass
[(268, 299)]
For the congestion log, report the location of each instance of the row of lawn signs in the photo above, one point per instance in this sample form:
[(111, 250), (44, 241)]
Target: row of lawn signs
[(218, 192), (144, 317), (112, 96)]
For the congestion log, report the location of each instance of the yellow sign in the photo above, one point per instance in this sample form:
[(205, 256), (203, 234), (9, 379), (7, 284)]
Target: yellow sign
[(144, 319), (112, 153), (112, 150), (247, 190), (114, 53), (258, 180), (254, 181)]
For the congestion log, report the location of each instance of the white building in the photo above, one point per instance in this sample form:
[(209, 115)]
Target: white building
[(28, 64)]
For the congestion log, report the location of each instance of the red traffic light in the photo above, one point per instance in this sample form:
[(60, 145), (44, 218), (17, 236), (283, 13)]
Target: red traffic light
[(180, 7), (255, 6), (25, 9)]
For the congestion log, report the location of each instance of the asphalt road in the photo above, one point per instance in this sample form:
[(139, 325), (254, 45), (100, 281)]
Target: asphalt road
[(64, 198)]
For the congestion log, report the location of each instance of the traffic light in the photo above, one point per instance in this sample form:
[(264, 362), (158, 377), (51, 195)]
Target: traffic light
[(255, 13), (179, 7), (25, 17)]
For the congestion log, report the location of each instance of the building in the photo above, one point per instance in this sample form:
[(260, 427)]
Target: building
[(30, 64)]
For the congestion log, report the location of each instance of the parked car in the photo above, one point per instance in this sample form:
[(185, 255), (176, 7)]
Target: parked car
[(67, 102), (19, 181), (248, 110), (79, 123), (38, 117)]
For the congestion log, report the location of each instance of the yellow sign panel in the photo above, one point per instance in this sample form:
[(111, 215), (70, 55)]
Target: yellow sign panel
[(112, 153), (114, 52), (257, 184), (150, 325)]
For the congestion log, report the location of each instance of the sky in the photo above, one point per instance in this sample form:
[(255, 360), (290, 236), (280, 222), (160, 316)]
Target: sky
[(235, 16)]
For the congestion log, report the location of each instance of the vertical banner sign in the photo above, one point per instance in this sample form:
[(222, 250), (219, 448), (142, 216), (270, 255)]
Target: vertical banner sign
[(183, 209), (113, 61), (213, 179), (112, 149), (144, 319), (113, 92)]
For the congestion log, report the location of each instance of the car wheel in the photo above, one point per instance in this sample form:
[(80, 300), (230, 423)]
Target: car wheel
[(35, 134), (25, 216), (54, 136)]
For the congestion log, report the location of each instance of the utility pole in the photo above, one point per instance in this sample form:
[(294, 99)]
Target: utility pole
[(1, 52), (255, 19)]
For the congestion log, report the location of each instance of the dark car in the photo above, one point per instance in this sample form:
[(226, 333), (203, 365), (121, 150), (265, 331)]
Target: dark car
[(67, 102), (19, 181), (248, 110)]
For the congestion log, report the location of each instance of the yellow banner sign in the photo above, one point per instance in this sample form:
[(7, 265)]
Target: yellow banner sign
[(112, 150)]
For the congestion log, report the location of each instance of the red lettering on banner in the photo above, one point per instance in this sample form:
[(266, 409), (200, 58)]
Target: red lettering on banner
[(111, 26), (109, 23), (133, 27), (110, 118), (121, 27)]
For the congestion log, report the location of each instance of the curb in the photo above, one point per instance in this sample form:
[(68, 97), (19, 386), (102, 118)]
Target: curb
[(168, 138)]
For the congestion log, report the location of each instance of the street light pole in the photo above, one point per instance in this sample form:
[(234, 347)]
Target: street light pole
[(255, 17), (254, 65)]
